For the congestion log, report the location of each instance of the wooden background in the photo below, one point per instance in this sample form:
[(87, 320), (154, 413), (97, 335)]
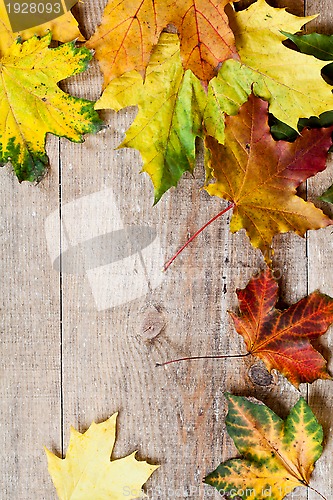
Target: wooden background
[(65, 363)]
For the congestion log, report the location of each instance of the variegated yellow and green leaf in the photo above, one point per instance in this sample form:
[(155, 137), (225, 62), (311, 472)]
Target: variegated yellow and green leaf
[(32, 104), (171, 104), (276, 455), (122, 92)]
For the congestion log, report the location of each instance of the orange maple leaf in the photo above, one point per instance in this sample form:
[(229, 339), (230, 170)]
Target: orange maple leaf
[(282, 339), (260, 175), (129, 30)]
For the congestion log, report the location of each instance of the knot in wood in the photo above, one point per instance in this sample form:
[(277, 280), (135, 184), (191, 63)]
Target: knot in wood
[(260, 376), (153, 324)]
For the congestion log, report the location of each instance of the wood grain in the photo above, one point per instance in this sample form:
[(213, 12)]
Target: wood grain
[(324, 22), (30, 414), (67, 363)]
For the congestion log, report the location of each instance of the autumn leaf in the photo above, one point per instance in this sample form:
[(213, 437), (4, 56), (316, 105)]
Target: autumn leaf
[(276, 455), (260, 176), (321, 47), (122, 92), (206, 38), (274, 72), (87, 472), (327, 195), (171, 105), (64, 29), (166, 143), (226, 94), (126, 36), (281, 131), (282, 339), (31, 103), (314, 44), (129, 30)]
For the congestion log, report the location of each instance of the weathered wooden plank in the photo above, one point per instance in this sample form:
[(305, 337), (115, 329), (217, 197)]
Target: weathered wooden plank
[(324, 22), (30, 346), (320, 258)]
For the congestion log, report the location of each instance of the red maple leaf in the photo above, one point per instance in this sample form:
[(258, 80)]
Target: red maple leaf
[(282, 339)]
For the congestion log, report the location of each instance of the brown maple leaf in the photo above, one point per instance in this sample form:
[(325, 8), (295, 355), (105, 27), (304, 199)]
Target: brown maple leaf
[(282, 339), (129, 30), (260, 175)]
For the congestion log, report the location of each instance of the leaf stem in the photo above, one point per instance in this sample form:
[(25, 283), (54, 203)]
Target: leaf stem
[(313, 489), (168, 264), (191, 358)]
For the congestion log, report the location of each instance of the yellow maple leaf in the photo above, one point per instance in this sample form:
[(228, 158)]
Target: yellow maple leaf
[(124, 91), (32, 104), (87, 472), (64, 28), (290, 81), (169, 120)]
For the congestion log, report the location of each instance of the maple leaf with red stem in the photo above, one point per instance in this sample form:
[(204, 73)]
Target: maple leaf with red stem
[(260, 175), (282, 339)]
